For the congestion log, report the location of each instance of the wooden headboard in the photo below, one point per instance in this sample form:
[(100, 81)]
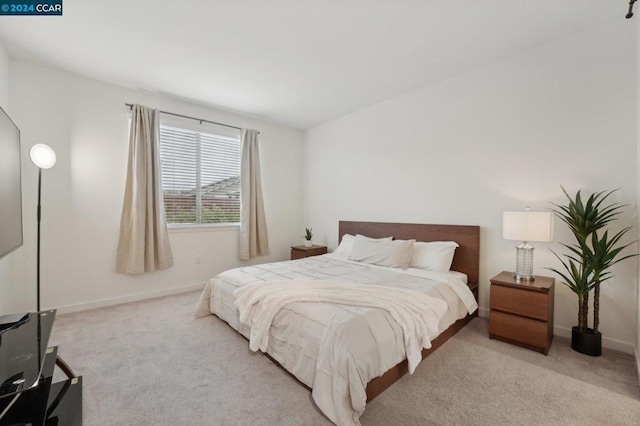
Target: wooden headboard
[(467, 256)]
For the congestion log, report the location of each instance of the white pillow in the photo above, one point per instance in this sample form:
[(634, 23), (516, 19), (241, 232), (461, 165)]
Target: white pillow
[(433, 256), (395, 254), (346, 245)]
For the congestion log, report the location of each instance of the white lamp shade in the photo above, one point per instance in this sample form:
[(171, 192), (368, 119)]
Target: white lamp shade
[(527, 226), (43, 156)]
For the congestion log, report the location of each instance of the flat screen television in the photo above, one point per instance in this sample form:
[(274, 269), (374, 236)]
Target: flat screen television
[(10, 186)]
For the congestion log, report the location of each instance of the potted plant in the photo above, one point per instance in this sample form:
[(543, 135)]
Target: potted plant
[(308, 235), (588, 264)]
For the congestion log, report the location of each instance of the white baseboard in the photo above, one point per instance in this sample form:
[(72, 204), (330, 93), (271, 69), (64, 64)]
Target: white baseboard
[(126, 299), (607, 342)]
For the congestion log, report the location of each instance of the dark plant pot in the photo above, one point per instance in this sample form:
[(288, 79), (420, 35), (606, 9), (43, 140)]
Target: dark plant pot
[(588, 343)]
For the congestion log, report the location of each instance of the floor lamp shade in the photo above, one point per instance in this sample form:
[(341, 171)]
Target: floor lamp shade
[(44, 157), (526, 226)]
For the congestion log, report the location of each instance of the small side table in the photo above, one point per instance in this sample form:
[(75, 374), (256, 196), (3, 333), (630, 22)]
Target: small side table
[(299, 252), (522, 311)]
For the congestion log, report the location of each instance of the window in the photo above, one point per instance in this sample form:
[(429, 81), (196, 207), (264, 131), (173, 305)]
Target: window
[(200, 174)]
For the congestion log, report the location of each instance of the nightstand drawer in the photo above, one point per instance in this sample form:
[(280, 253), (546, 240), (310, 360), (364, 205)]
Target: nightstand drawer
[(526, 303), (523, 330), (300, 252)]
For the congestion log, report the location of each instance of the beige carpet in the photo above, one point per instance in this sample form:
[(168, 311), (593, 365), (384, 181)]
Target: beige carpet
[(153, 363)]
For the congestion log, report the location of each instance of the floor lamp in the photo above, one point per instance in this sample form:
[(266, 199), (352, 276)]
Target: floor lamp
[(44, 157)]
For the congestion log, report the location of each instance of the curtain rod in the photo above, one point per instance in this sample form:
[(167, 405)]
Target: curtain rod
[(201, 120)]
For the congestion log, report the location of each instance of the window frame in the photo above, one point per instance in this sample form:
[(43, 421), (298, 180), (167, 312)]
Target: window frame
[(199, 128)]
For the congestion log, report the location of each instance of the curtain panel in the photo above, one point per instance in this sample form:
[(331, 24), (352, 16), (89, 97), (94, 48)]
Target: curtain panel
[(253, 225), (144, 241)]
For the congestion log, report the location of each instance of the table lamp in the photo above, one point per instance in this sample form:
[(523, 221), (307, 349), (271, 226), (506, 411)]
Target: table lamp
[(526, 226)]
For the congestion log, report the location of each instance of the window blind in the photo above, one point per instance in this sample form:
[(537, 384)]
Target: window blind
[(200, 176)]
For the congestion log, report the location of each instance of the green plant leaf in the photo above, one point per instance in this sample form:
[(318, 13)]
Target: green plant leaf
[(589, 261)]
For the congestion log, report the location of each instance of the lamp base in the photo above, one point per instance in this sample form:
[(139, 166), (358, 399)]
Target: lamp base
[(520, 277), (524, 263)]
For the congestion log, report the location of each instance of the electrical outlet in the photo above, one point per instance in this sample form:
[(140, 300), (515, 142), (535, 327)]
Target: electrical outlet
[(197, 260)]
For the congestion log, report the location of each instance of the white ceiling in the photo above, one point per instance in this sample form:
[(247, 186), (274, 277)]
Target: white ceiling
[(295, 62)]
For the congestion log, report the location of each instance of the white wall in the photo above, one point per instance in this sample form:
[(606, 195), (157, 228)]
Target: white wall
[(5, 263), (498, 138), (4, 77), (86, 122)]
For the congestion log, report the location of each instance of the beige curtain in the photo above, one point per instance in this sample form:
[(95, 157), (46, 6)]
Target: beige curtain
[(253, 225), (144, 241)]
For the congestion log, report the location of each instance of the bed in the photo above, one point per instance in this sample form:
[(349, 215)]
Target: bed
[(348, 353)]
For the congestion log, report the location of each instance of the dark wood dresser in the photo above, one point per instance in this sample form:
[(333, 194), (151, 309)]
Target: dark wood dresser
[(522, 311), (299, 252)]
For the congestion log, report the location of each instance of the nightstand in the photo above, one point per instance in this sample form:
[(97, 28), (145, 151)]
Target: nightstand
[(299, 252), (522, 311)]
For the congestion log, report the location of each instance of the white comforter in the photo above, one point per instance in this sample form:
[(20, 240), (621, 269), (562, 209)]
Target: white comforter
[(335, 349), (416, 313)]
